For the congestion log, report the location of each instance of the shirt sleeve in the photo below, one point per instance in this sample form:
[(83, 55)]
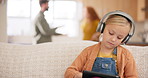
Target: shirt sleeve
[(130, 68), (78, 65), (44, 28)]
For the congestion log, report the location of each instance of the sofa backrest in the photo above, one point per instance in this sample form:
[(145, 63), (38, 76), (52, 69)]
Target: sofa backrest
[(50, 60), (141, 58)]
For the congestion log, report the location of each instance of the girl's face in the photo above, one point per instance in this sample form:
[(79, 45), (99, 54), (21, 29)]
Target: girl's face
[(113, 35)]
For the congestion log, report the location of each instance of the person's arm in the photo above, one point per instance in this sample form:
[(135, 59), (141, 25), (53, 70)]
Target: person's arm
[(44, 27), (95, 36), (75, 70), (130, 68)]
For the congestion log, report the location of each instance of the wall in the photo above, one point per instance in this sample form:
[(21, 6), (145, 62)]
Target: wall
[(146, 9), (3, 21), (132, 7)]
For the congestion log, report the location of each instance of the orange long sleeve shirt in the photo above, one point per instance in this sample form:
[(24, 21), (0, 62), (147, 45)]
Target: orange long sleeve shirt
[(125, 62)]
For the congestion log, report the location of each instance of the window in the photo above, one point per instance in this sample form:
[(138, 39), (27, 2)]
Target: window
[(64, 14), (61, 13), (18, 17)]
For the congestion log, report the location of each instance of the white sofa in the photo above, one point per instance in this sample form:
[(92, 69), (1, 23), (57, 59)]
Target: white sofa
[(50, 60)]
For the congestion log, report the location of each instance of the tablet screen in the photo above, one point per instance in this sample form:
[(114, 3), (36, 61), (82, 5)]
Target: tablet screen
[(91, 74)]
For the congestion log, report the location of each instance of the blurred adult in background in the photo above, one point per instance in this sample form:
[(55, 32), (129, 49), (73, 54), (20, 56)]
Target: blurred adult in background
[(43, 32), (89, 24)]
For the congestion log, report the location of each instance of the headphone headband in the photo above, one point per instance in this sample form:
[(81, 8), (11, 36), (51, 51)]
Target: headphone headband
[(101, 25)]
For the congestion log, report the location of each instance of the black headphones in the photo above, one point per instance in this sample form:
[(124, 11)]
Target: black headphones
[(101, 25)]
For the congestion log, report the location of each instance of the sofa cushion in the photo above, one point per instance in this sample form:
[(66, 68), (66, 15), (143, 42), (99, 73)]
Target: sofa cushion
[(50, 60), (141, 58), (47, 60)]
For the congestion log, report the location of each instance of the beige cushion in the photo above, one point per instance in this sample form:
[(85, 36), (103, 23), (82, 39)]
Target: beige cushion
[(50, 60), (38, 61), (141, 57)]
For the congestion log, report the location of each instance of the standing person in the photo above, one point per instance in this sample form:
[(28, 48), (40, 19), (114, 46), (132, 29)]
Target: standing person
[(108, 57), (43, 32), (89, 23)]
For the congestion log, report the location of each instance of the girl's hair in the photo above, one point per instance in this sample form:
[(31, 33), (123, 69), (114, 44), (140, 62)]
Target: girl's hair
[(91, 13), (118, 20)]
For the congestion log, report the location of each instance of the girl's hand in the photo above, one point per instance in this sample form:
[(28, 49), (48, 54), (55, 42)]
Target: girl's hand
[(78, 75)]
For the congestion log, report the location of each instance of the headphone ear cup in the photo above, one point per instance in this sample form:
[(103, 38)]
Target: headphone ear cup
[(126, 39), (103, 27)]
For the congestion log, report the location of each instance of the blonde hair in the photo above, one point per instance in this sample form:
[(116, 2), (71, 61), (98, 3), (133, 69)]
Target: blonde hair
[(118, 20)]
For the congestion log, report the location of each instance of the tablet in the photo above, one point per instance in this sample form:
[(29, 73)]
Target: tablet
[(91, 74)]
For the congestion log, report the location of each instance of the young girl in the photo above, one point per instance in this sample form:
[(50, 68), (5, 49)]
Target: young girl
[(107, 56)]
